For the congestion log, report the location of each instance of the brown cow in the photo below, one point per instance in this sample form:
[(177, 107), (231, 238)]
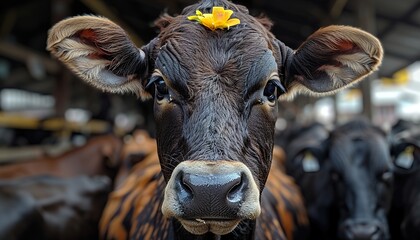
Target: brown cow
[(99, 156), (215, 100), (136, 147), (133, 209)]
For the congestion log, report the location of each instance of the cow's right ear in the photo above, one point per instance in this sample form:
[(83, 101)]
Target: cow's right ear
[(331, 59), (101, 53)]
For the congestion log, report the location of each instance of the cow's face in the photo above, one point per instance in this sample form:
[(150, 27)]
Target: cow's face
[(405, 151), (215, 95), (307, 162), (363, 179), (215, 108)]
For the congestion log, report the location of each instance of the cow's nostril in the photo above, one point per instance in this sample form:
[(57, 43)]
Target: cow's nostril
[(236, 193), (184, 188)]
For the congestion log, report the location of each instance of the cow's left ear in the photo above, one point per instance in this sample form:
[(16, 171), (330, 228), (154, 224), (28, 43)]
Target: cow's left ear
[(330, 59), (100, 53)]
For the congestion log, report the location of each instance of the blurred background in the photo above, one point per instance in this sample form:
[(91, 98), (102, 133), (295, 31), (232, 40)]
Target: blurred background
[(43, 103)]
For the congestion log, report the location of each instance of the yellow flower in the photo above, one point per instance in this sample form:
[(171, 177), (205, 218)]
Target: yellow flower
[(218, 19)]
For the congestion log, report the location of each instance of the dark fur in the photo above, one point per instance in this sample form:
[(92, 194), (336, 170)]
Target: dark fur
[(348, 188), (404, 216), (44, 207), (215, 107), (360, 159), (218, 76), (316, 186)]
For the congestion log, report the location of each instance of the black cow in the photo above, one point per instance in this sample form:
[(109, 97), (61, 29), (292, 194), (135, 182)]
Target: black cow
[(306, 148), (362, 179), (43, 207), (345, 178), (404, 217), (215, 84)]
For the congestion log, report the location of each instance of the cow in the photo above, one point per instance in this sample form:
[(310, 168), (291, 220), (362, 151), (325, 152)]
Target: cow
[(306, 149), (133, 208), (99, 156), (215, 82), (404, 216), (47, 207), (362, 178), (137, 146)]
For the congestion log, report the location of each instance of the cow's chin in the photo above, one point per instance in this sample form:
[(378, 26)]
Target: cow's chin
[(200, 227)]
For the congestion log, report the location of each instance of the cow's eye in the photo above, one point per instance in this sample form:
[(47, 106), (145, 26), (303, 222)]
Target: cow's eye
[(273, 89), (161, 89)]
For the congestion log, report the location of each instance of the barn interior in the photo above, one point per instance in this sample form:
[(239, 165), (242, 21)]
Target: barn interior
[(38, 88), (45, 110)]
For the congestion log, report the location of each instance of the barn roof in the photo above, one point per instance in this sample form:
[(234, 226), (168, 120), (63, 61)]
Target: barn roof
[(24, 25)]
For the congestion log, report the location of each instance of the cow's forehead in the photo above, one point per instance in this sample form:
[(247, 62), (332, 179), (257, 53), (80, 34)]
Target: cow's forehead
[(189, 51), (367, 150)]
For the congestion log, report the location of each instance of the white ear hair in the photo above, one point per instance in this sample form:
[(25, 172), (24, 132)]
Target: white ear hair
[(332, 58), (99, 52)]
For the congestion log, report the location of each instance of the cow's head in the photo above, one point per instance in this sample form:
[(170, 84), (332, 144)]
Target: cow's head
[(405, 151), (307, 162), (215, 98), (363, 180)]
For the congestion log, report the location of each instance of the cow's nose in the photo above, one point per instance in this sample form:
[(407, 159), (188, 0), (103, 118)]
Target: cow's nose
[(211, 196), (363, 230)]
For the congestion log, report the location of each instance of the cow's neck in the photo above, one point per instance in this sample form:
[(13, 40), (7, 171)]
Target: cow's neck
[(245, 230)]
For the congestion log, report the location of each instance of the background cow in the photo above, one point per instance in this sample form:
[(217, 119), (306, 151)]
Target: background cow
[(215, 100), (362, 179), (137, 146), (404, 216), (45, 207), (306, 148), (99, 156)]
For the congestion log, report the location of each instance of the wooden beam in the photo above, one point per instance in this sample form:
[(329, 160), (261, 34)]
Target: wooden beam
[(22, 54), (8, 21), (405, 21), (101, 8), (389, 19), (367, 21), (336, 9), (403, 18), (53, 124)]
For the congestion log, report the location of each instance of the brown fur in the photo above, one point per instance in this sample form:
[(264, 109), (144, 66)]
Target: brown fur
[(136, 147), (214, 104), (142, 192), (94, 158)]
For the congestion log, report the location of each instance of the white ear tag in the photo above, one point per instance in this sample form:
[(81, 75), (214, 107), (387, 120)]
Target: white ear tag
[(405, 159), (310, 163)]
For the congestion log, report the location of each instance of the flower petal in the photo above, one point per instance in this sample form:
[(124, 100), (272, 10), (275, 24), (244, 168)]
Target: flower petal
[(233, 22), (208, 15), (218, 19), (208, 22), (193, 18), (218, 14), (228, 13)]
